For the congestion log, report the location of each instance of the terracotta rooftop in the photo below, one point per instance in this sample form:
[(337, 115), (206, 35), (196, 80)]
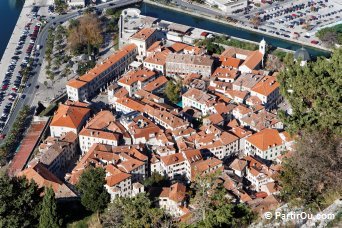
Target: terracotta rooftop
[(204, 60), (194, 49), (253, 60), (192, 155), (117, 178), (200, 97), (158, 58), (130, 103), (155, 46), (233, 51), (136, 75), (177, 47), (169, 119), (155, 84), (69, 116), (266, 86), (44, 178), (248, 80), (175, 192), (143, 34), (265, 139), (205, 166), (238, 164), (172, 159), (225, 73), (260, 120), (231, 62)]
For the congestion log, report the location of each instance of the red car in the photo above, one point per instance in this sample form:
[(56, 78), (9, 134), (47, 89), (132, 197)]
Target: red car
[(4, 87), (314, 41), (14, 89), (2, 136)]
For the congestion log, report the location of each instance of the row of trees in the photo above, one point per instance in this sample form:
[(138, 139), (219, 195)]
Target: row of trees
[(56, 54), (313, 176), (14, 136), (230, 42)]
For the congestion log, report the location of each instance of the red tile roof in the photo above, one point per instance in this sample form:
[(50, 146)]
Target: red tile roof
[(266, 86), (143, 34), (69, 116), (265, 139)]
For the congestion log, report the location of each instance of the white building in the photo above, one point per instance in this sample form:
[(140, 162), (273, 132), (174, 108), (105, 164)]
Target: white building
[(267, 144), (127, 105), (135, 80), (200, 100), (229, 6), (125, 167), (68, 118), (221, 145), (104, 129), (171, 199), (143, 39), (76, 3), (267, 90), (165, 118), (89, 84)]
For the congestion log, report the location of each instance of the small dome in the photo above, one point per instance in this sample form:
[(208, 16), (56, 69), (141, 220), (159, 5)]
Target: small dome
[(302, 54)]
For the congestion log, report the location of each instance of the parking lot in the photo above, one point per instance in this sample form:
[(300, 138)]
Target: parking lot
[(19, 61), (298, 20)]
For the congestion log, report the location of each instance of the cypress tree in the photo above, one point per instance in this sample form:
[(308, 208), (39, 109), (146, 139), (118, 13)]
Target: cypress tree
[(48, 214)]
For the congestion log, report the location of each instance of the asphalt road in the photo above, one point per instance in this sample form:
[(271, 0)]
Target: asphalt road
[(31, 91)]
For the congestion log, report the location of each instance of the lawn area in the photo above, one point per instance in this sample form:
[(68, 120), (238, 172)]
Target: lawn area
[(90, 221)]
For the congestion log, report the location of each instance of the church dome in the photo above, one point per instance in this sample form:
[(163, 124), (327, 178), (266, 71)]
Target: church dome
[(302, 54)]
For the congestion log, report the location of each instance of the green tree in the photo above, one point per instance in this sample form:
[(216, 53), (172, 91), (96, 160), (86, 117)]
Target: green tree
[(60, 6), (91, 186), (154, 180), (314, 170), (20, 202), (331, 35), (137, 211), (173, 91), (213, 209), (48, 213), (87, 33), (314, 93)]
